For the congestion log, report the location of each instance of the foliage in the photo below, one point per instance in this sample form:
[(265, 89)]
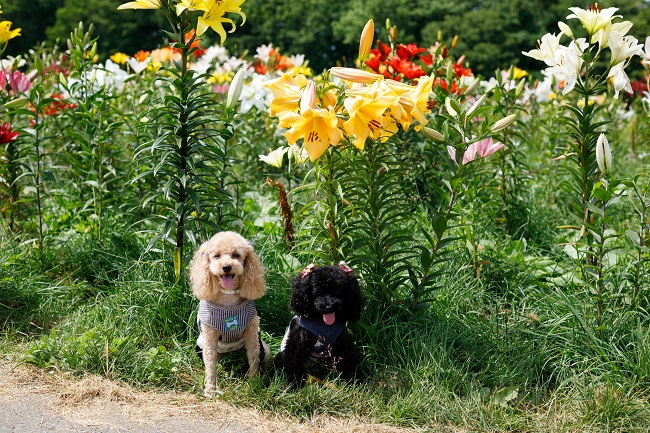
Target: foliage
[(493, 34), (454, 211)]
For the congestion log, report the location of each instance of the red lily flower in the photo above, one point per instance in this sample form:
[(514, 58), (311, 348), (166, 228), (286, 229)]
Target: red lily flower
[(412, 71), (407, 52), (373, 62), (6, 134), (460, 71), (382, 50)]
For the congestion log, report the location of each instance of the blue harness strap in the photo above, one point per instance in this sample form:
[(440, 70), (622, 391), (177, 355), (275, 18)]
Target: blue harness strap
[(326, 334)]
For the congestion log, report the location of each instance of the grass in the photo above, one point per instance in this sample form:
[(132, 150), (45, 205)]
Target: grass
[(479, 359)]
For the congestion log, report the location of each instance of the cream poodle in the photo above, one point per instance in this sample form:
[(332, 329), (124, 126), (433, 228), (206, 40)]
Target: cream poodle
[(226, 276)]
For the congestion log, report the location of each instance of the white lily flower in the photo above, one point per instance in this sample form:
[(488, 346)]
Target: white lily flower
[(603, 154), (254, 94), (548, 48), (264, 53), (9, 61), (602, 35), (623, 47), (593, 20), (570, 63), (621, 80), (298, 153), (138, 66), (275, 157), (297, 60)]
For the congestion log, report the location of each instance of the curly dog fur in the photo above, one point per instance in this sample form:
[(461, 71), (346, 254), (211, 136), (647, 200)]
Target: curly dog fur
[(225, 272), (324, 300)]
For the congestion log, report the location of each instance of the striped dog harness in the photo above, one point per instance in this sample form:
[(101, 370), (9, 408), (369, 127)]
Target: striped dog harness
[(229, 321)]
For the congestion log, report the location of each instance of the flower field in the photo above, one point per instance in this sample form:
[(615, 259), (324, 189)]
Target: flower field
[(499, 225)]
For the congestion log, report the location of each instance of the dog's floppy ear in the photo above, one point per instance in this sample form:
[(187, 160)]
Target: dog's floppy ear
[(355, 301), (201, 279), (253, 285), (300, 298)]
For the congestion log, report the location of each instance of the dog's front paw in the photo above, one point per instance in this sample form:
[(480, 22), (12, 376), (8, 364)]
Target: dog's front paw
[(209, 391)]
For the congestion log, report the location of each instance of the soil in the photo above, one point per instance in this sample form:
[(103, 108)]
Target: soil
[(34, 401)]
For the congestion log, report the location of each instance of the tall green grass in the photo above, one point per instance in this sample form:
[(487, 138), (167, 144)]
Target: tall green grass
[(483, 358)]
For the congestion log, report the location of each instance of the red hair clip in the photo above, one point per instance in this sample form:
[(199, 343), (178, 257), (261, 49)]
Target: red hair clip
[(345, 268), (307, 269)]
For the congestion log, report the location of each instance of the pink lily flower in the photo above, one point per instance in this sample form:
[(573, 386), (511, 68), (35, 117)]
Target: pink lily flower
[(19, 82), (479, 149)]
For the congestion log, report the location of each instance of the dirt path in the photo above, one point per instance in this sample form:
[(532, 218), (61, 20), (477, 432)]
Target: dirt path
[(32, 401)]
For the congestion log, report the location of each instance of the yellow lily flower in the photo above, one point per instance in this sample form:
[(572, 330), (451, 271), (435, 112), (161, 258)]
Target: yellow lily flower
[(6, 33), (418, 101), (366, 108), (518, 73), (120, 58), (287, 92), (318, 127), (141, 4), (191, 5), (414, 101), (214, 17)]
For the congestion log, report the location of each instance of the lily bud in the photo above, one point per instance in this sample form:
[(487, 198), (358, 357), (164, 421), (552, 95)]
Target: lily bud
[(433, 134), (503, 123), (472, 86), (367, 37), (235, 89), (476, 105), (329, 99), (565, 29), (520, 87), (450, 109), (354, 75), (393, 33), (16, 103), (449, 74), (454, 41), (603, 154), (93, 52), (308, 99), (33, 74)]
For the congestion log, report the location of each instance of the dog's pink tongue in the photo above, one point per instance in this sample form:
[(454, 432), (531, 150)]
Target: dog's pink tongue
[(226, 281), (329, 318)]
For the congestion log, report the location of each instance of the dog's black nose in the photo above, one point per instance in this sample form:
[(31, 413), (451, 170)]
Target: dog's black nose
[(227, 268)]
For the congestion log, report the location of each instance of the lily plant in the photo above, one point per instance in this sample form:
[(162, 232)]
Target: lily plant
[(184, 151), (604, 37)]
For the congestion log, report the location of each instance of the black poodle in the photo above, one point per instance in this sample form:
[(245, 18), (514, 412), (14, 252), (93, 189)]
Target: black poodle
[(324, 299)]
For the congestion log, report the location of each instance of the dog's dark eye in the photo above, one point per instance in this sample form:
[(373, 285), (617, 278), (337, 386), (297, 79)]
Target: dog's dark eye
[(216, 256), (235, 255)]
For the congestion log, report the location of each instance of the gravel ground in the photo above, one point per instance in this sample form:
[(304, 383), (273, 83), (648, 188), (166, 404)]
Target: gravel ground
[(33, 401)]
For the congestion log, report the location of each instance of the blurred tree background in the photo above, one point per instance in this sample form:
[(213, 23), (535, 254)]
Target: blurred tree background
[(492, 33)]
